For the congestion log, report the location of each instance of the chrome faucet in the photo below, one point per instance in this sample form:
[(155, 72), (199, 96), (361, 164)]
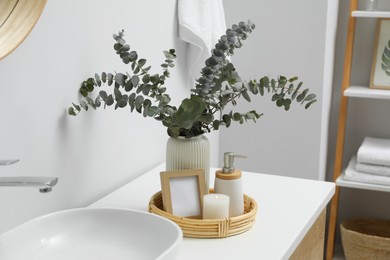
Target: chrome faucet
[(44, 184)]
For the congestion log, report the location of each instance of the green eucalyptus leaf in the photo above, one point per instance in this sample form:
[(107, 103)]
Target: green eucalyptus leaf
[(212, 61), (173, 131), (162, 90), (290, 89), (287, 104), (310, 103), (138, 102), (132, 97), (146, 78), (293, 79), (246, 96), (84, 105), (76, 107), (133, 56), (109, 100), (71, 111), (117, 46), (154, 78), (147, 103), (83, 91), (88, 86), (125, 47), (117, 94), (146, 89), (122, 102), (261, 89), (141, 62), (294, 95), (126, 59), (98, 80), (216, 124), (189, 112), (310, 97), (135, 80), (90, 102), (273, 84), (296, 92), (145, 112), (302, 96), (237, 116), (104, 77), (103, 94), (120, 79), (97, 101), (110, 78), (227, 119), (128, 86), (152, 111)]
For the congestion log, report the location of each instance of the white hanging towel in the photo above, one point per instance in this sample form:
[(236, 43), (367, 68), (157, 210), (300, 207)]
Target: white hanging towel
[(352, 174), (201, 24), (373, 169), (374, 151)]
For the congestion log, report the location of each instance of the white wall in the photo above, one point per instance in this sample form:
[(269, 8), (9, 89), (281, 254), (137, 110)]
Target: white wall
[(289, 40), (365, 117), (98, 151)]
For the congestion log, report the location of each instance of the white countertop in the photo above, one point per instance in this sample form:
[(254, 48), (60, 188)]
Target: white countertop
[(287, 208)]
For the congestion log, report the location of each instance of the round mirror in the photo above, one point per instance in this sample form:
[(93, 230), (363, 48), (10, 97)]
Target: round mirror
[(17, 19)]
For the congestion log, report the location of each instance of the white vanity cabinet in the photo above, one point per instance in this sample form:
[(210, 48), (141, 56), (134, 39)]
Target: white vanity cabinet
[(290, 222)]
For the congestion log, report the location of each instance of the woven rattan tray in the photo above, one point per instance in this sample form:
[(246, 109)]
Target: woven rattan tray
[(209, 228)]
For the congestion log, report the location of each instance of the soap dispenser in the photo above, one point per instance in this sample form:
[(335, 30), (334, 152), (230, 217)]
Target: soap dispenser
[(228, 181)]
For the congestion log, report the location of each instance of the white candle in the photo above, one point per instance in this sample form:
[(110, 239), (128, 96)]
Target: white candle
[(215, 206)]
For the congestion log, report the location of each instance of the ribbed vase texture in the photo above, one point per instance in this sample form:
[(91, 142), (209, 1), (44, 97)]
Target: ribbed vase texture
[(189, 153)]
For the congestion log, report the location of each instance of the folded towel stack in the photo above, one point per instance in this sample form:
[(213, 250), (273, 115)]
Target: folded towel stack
[(372, 163)]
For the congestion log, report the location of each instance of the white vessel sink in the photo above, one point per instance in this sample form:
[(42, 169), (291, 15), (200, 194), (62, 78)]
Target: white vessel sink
[(83, 234)]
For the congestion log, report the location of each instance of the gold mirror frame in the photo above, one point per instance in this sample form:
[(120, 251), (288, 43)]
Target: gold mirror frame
[(17, 19)]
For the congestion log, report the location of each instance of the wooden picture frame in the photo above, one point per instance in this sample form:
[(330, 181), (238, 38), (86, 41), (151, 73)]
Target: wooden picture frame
[(380, 68), (183, 191)]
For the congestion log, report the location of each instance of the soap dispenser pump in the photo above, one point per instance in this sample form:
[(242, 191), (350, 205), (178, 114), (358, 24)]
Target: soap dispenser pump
[(228, 181)]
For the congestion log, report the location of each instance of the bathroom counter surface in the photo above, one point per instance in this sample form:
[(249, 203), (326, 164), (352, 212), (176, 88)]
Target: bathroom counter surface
[(287, 209)]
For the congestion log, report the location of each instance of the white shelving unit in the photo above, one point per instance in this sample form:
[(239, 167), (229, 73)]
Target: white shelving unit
[(366, 92), (355, 92), (342, 182), (371, 14)]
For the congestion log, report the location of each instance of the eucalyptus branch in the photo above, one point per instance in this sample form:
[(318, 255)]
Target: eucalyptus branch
[(218, 85)]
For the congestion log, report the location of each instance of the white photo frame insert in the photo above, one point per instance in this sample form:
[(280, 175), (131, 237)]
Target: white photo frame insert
[(380, 69), (182, 192)]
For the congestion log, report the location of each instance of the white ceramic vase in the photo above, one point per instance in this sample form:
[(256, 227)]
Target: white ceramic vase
[(189, 153)]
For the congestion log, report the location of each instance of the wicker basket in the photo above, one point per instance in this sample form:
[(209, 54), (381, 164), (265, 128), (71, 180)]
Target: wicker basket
[(366, 239), (209, 228)]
